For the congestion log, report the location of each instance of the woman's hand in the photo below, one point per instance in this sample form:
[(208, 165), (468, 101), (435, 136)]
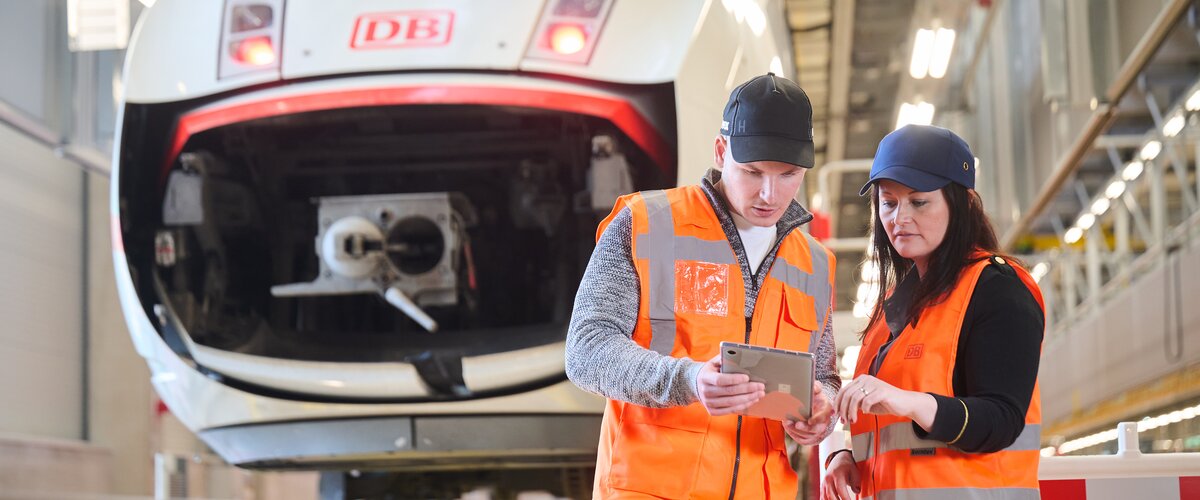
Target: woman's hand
[(842, 481), (868, 394), (811, 431), (725, 393)]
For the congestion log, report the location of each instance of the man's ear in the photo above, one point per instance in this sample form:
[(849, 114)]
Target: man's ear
[(720, 149)]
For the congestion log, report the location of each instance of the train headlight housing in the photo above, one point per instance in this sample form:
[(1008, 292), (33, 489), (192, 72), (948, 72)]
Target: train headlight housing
[(250, 37), (568, 30)]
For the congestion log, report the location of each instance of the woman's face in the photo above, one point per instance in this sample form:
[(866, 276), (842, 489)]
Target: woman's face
[(915, 221)]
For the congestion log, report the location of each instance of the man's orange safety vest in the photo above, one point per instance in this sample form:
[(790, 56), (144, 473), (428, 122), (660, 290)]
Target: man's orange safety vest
[(692, 298), (892, 461)]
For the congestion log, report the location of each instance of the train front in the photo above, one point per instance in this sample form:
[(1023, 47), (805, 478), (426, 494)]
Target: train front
[(350, 235)]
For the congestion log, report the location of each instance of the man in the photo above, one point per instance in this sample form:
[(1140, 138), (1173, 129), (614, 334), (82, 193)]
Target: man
[(676, 272)]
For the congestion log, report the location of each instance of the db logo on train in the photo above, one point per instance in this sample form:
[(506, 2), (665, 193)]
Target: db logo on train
[(402, 29)]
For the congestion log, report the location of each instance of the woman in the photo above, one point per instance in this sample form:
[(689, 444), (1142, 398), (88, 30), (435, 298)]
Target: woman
[(944, 401)]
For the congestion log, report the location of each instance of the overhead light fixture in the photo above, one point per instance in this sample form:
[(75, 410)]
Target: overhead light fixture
[(866, 292), (1132, 171), (943, 44), (1039, 271), (1073, 235), (922, 53), (1150, 150), (1145, 424), (1173, 125), (1193, 102), (776, 65), (1115, 190), (869, 271), (850, 358), (919, 113), (1085, 221), (749, 12), (1100, 206), (931, 53)]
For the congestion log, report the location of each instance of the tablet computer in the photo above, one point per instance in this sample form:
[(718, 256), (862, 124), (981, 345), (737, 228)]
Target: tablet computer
[(787, 375)]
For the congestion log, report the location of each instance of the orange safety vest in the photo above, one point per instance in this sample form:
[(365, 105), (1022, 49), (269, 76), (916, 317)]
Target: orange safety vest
[(892, 461), (692, 298)]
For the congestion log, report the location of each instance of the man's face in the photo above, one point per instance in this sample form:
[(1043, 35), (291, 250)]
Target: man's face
[(758, 191)]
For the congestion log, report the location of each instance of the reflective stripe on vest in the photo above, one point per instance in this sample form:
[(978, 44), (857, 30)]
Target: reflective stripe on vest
[(662, 248), (662, 271), (901, 436), (959, 494)]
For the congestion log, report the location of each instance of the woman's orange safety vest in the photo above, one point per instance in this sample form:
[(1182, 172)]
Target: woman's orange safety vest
[(892, 461), (692, 298)]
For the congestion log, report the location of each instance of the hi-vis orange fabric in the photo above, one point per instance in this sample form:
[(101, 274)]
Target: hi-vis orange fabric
[(692, 298), (892, 460)]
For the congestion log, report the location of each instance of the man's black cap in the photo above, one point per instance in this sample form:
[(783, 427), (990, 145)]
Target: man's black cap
[(769, 118)]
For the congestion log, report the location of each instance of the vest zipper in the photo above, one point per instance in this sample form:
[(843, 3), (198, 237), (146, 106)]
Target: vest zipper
[(737, 456), (737, 459)]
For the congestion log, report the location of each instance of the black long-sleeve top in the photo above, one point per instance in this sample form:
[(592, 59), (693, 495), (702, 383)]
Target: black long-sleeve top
[(999, 348)]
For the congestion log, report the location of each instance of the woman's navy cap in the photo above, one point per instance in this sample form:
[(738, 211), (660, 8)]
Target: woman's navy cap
[(924, 158), (769, 118)]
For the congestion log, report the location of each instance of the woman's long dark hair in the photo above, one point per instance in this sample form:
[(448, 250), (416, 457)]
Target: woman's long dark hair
[(968, 231)]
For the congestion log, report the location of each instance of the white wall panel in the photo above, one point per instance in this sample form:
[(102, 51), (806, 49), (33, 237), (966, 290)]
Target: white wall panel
[(40, 468), (1128, 342), (23, 27), (40, 290), (41, 393), (121, 400)]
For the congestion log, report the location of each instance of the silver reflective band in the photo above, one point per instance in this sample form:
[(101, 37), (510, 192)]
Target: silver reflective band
[(901, 436), (815, 285), (861, 444), (958, 494), (693, 248), (1030, 439), (661, 254)]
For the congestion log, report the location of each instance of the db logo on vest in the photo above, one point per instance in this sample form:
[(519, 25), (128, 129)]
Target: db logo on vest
[(401, 29), (914, 351)]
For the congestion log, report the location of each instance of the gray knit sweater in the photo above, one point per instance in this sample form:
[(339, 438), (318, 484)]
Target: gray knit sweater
[(601, 356)]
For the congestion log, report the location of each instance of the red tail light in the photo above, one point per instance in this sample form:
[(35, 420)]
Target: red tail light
[(568, 30), (567, 39), (255, 51)]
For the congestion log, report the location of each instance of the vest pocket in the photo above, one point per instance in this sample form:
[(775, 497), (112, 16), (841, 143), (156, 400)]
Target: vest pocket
[(658, 450), (798, 320), (701, 288)]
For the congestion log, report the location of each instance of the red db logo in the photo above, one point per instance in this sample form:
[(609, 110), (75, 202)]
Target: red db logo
[(410, 28), (914, 351)]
